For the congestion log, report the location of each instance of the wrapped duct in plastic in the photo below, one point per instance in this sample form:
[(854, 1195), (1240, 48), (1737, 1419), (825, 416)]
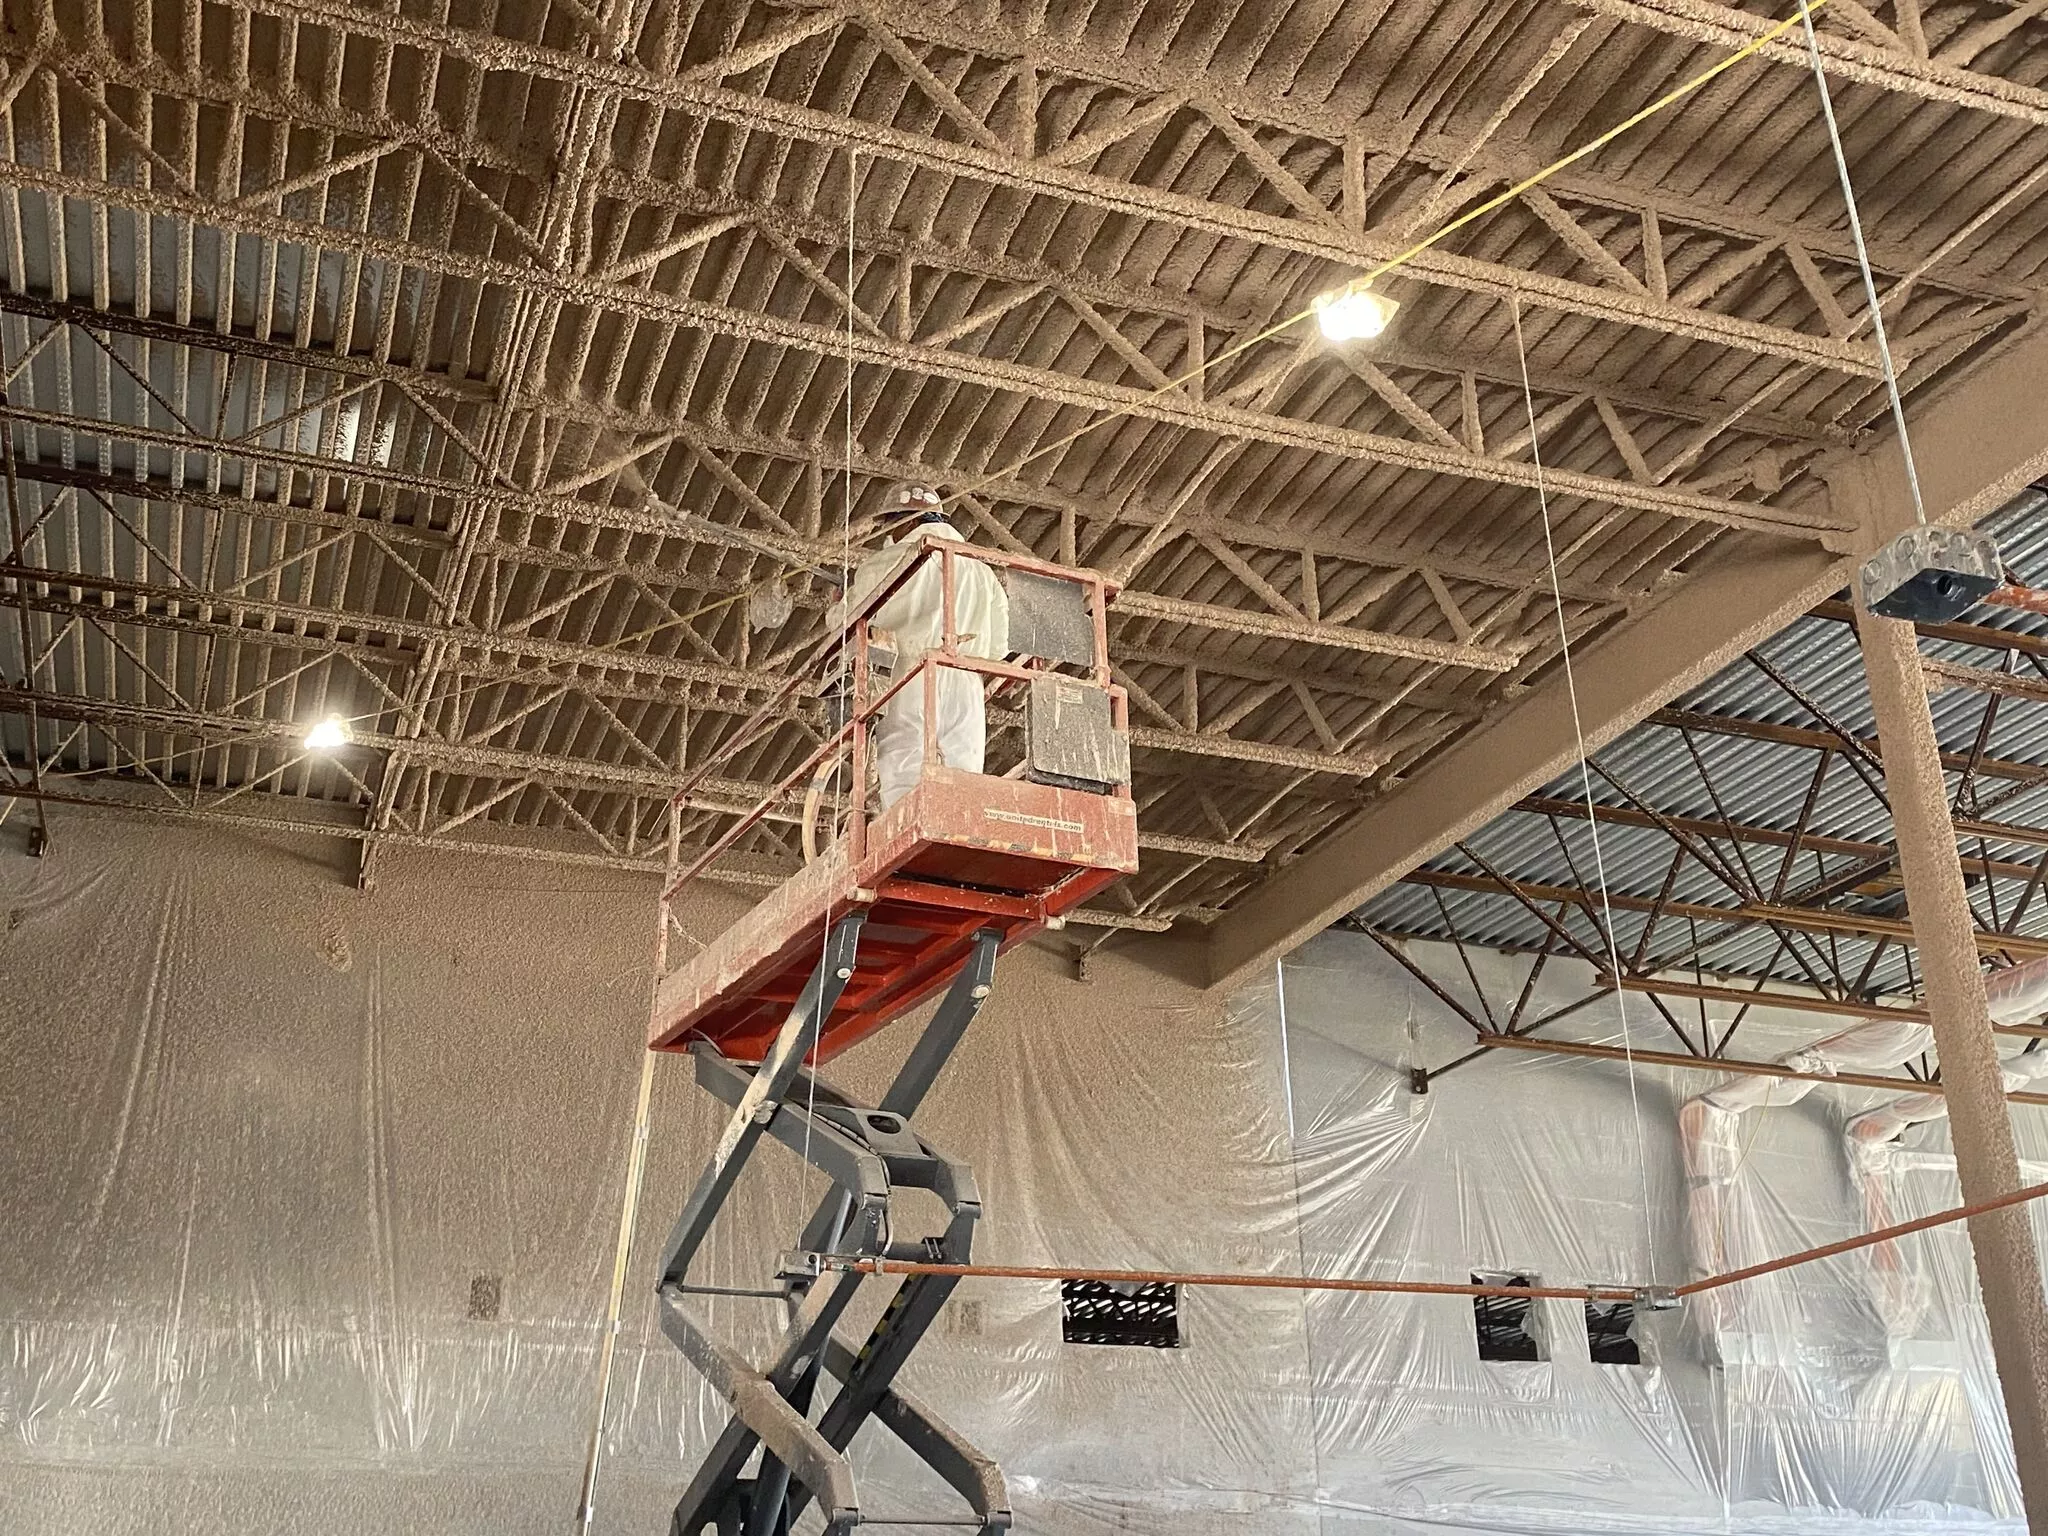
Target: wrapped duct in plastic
[(1899, 1288), (1714, 1140), (1711, 1134), (2017, 993)]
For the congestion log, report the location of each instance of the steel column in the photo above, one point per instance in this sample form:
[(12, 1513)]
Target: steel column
[(2008, 1267)]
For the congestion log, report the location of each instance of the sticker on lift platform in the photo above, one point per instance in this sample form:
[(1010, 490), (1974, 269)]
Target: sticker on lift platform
[(1025, 819)]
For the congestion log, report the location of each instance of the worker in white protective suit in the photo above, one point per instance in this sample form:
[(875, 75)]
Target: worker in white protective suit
[(911, 621)]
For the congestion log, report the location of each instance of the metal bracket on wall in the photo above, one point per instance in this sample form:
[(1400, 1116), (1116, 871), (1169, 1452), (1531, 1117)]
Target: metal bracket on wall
[(868, 1152)]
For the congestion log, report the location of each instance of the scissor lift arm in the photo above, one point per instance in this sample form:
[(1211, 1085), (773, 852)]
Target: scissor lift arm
[(916, 899), (867, 1153)]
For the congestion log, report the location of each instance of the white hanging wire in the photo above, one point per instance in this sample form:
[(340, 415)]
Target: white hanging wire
[(1571, 687), (629, 1221), (1884, 346), (853, 791)]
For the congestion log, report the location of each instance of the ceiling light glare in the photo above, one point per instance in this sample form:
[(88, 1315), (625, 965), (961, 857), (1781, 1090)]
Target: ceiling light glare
[(327, 734), (1353, 312)]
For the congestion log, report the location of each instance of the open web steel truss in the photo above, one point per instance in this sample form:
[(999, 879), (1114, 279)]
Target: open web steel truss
[(1749, 859), (463, 372)]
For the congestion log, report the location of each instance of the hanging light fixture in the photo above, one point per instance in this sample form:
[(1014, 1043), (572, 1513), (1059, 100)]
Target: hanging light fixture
[(326, 735), (769, 607), (1353, 312)]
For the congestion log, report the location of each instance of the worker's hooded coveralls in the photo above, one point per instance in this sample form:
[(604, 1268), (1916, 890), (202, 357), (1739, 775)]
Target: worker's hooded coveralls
[(914, 616)]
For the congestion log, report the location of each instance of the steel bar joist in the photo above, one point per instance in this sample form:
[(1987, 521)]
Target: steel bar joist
[(1922, 54), (619, 442), (1736, 864), (513, 383), (1413, 440), (874, 342), (322, 518), (999, 148)]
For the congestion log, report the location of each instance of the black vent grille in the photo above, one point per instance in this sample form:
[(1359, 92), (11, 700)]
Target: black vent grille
[(1098, 1312)]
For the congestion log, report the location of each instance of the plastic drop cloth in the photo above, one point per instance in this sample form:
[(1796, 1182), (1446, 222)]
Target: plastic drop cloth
[(310, 1201), (1791, 1407)]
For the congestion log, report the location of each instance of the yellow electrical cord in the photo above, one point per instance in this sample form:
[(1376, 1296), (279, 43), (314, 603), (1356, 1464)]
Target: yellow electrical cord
[(1676, 94), (1477, 211)]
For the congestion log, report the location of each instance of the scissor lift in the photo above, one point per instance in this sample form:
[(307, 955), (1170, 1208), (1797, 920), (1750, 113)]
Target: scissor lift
[(901, 906)]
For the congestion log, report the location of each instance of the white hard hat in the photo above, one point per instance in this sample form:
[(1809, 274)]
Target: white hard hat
[(909, 500)]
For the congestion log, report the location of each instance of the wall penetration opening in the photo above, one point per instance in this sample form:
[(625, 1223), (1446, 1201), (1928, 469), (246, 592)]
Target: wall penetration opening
[(1506, 1325), (486, 1297), (1102, 1312), (1611, 1333)]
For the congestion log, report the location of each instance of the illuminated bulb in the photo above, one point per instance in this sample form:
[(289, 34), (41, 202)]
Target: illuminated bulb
[(1353, 312), (327, 735)]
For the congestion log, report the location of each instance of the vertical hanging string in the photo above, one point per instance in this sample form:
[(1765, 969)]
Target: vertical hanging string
[(622, 1259), (853, 791), (1571, 687), (636, 1167), (1884, 346), (846, 482)]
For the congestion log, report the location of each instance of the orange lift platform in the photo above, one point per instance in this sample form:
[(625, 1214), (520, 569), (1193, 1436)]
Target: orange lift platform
[(900, 905)]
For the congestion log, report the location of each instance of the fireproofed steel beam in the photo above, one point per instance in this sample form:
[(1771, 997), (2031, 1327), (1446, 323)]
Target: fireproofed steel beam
[(1850, 58), (1723, 1064), (738, 217), (1619, 679), (619, 672), (147, 602), (455, 756), (1154, 78), (1978, 445), (529, 845), (508, 500), (1143, 71), (494, 766), (2008, 1262), (702, 530), (1750, 914), (634, 426), (703, 96), (1206, 418)]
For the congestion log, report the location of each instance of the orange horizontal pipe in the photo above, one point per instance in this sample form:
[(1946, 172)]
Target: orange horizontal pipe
[(1433, 1287), (1867, 1240), (1251, 1282)]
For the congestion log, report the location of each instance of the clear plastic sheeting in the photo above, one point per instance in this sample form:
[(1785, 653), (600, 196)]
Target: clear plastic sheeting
[(1790, 1406), (311, 1197), (310, 1201), (2019, 992)]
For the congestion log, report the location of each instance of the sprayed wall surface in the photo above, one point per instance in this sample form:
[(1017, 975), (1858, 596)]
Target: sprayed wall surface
[(310, 1197)]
